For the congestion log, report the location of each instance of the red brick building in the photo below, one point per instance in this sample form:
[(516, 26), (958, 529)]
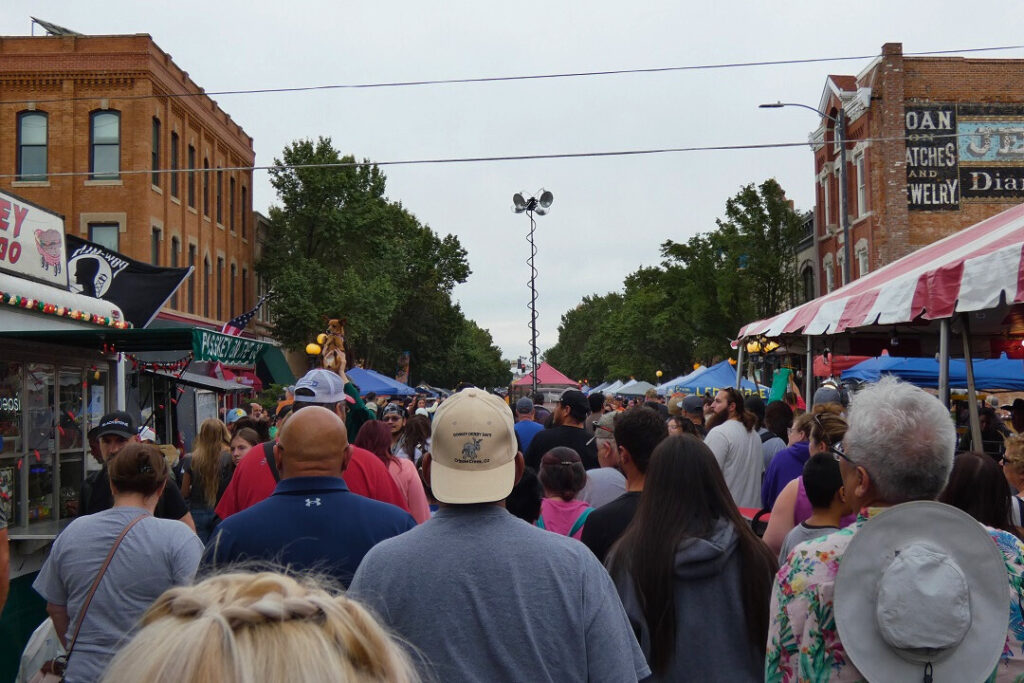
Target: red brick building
[(109, 110), (934, 144)]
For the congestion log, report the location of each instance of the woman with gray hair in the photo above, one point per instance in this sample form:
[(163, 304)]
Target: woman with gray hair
[(898, 448)]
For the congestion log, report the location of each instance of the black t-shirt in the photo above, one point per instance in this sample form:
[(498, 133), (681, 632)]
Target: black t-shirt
[(606, 523), (96, 497), (562, 435)]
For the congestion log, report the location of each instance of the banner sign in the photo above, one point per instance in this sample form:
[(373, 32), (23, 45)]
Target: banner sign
[(963, 152), (139, 289), (32, 242), (208, 345)]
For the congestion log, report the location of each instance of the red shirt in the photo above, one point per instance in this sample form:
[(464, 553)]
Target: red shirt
[(253, 481)]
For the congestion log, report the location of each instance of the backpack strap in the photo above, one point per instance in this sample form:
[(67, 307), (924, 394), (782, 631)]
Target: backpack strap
[(580, 521), (540, 522), (268, 453)]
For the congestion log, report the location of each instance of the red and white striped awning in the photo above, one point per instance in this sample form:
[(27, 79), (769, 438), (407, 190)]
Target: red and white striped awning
[(971, 270)]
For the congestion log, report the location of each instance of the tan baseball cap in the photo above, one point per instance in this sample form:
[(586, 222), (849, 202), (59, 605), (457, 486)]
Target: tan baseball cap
[(473, 449)]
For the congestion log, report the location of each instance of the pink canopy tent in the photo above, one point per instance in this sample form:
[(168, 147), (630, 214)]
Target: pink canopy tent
[(547, 376)]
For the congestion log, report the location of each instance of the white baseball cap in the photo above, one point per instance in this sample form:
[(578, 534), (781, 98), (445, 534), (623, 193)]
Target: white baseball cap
[(473, 449), (320, 386)]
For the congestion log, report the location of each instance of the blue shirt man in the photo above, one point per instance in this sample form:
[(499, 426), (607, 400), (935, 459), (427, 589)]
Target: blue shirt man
[(526, 428), (312, 521)]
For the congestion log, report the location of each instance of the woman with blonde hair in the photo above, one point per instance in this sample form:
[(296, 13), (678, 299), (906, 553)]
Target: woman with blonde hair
[(252, 628), (206, 475)]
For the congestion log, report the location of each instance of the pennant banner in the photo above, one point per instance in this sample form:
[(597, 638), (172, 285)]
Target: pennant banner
[(139, 289)]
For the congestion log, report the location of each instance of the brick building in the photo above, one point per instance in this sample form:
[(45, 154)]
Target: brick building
[(934, 144), (101, 107)]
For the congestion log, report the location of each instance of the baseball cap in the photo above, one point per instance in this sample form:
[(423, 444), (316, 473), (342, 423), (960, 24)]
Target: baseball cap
[(117, 422), (321, 386), (234, 415), (693, 404), (576, 402), (473, 449), (524, 405)]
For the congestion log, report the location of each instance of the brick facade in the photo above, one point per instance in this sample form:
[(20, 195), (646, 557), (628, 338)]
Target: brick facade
[(72, 78), (880, 104)]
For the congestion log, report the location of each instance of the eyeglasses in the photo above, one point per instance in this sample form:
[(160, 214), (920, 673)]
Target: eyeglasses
[(391, 418), (838, 455)]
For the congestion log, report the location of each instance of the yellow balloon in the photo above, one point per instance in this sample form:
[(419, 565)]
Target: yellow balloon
[(312, 349), (658, 373), (321, 339)]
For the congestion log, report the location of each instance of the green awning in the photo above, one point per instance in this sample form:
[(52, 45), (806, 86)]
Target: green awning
[(206, 345), (274, 365)]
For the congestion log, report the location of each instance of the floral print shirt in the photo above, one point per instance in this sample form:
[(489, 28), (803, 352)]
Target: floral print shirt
[(803, 644)]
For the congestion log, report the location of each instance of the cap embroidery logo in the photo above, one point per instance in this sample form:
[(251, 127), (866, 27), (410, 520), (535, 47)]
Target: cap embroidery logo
[(471, 448)]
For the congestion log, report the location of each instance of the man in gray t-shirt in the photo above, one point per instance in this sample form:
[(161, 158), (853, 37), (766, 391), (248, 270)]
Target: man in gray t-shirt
[(493, 598)]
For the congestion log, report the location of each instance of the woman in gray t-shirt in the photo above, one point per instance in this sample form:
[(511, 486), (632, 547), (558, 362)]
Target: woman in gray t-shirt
[(154, 555)]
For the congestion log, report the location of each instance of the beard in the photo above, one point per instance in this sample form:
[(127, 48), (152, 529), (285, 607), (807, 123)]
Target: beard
[(717, 419)]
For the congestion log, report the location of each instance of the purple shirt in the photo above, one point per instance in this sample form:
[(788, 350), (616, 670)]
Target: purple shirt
[(787, 465)]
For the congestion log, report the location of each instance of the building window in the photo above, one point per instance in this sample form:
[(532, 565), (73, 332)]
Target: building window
[(154, 247), (263, 315), (31, 145), (245, 207), (155, 161), (861, 251), (192, 278), (862, 185), (174, 164), (245, 287), (807, 279), (231, 289), (206, 287), (231, 204), (175, 246), (830, 275), (192, 176), (220, 288), (105, 145), (220, 187), (104, 234), (206, 187), (825, 217), (841, 265)]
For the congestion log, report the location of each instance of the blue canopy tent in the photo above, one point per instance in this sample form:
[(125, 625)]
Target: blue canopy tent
[(991, 374), (872, 369), (670, 386), (997, 373), (369, 380), (719, 376)]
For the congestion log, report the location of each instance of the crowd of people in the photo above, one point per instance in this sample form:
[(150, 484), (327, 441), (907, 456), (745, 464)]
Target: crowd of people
[(480, 539)]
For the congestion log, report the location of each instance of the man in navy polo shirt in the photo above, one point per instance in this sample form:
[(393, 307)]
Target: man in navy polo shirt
[(312, 521)]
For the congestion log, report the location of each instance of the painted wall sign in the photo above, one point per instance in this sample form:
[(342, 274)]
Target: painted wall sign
[(32, 241), (963, 152)]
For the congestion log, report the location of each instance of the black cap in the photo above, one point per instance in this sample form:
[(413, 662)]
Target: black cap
[(117, 422), (576, 402)]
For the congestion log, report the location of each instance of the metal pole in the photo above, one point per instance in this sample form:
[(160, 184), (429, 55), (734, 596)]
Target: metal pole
[(843, 199), (739, 363), (972, 397), (809, 373), (533, 303), (120, 382), (944, 361)]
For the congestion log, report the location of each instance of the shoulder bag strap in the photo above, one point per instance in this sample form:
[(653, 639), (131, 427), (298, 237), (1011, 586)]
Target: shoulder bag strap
[(268, 454), (580, 521), (96, 582)]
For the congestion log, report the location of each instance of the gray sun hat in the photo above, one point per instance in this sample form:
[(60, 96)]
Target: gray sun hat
[(922, 589)]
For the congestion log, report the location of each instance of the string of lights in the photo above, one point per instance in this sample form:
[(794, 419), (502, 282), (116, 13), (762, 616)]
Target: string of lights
[(501, 158), (528, 77)]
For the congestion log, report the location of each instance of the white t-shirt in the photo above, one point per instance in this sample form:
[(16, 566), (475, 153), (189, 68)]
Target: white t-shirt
[(739, 454), (604, 485)]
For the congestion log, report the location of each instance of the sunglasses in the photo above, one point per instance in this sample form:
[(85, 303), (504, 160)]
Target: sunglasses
[(838, 455), (392, 418)]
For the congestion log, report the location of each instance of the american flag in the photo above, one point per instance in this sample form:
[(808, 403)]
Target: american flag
[(235, 326)]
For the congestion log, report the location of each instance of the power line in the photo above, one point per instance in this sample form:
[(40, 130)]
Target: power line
[(496, 79), (480, 159)]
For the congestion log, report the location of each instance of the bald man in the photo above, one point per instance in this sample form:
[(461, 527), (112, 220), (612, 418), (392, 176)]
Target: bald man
[(311, 521)]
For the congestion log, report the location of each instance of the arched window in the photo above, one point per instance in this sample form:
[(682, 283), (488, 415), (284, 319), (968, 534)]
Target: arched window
[(32, 145), (807, 281), (206, 187), (105, 145)]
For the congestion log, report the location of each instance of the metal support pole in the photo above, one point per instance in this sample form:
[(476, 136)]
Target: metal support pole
[(843, 198), (739, 363), (944, 361), (972, 397), (809, 373), (120, 382), (533, 303)]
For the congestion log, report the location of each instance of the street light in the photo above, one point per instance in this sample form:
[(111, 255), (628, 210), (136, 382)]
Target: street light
[(529, 206), (840, 121)]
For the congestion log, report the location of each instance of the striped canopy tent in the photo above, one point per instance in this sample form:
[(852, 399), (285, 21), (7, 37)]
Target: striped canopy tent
[(970, 283)]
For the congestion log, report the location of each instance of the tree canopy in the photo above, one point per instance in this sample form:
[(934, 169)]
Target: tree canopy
[(688, 309), (339, 248)]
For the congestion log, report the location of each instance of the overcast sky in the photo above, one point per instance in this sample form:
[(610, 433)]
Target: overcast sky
[(610, 214)]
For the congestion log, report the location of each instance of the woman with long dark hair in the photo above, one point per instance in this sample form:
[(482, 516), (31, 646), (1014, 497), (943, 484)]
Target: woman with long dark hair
[(694, 579), (978, 486), (375, 436)]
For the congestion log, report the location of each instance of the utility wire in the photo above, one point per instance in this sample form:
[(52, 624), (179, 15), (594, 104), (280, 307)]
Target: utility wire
[(496, 79), (478, 159)]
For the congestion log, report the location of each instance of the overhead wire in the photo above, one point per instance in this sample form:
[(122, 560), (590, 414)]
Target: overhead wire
[(497, 79)]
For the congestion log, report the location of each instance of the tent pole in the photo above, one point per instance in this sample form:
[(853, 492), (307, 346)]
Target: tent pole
[(972, 397), (739, 363), (120, 382), (944, 362), (809, 373)]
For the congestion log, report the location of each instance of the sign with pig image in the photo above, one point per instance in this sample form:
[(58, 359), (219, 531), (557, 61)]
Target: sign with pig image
[(32, 242)]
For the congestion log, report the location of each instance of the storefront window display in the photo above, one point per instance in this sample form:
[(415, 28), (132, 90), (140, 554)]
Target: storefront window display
[(10, 439)]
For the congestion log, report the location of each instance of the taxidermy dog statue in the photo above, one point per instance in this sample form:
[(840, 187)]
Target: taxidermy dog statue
[(333, 349)]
